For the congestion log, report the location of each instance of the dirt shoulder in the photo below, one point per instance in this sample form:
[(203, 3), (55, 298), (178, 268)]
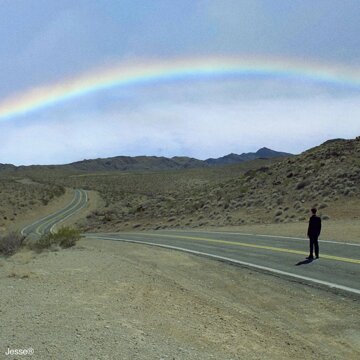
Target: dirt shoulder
[(338, 230), (114, 300)]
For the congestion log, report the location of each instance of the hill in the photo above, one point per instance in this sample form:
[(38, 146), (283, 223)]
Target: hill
[(261, 191), (7, 168), (263, 153), (143, 163), (127, 163)]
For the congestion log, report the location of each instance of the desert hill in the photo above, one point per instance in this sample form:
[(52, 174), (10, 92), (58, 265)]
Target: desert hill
[(7, 168), (263, 153), (128, 163), (176, 193), (277, 190)]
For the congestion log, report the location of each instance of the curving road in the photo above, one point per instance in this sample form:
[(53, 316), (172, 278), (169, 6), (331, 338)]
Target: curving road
[(338, 267), (48, 223)]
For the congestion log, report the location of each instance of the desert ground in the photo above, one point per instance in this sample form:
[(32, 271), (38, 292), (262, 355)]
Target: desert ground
[(111, 300)]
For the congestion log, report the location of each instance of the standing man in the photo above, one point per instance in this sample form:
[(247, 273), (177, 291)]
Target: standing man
[(314, 230)]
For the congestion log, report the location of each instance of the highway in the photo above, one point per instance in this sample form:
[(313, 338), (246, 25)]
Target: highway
[(48, 223), (338, 267)]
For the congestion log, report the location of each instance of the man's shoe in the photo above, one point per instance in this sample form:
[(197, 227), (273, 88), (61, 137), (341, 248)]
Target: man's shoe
[(310, 258), (316, 257)]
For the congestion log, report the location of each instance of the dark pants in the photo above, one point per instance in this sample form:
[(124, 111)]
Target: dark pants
[(314, 244)]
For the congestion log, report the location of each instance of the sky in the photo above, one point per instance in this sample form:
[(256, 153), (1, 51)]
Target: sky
[(199, 78)]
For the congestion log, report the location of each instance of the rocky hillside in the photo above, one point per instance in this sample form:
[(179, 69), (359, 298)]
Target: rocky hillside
[(327, 176)]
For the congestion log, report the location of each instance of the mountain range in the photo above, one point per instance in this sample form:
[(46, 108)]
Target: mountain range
[(128, 163)]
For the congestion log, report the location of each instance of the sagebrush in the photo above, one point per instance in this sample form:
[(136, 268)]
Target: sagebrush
[(10, 243), (66, 237)]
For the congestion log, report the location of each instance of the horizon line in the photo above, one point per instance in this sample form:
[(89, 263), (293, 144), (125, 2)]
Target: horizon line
[(150, 156)]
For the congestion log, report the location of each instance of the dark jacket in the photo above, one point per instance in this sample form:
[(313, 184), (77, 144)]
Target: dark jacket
[(314, 228)]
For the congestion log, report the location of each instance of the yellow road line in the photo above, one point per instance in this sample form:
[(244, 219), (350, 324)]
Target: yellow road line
[(226, 242)]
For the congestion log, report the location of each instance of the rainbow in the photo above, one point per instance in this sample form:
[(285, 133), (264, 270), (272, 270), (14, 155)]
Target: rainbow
[(172, 70)]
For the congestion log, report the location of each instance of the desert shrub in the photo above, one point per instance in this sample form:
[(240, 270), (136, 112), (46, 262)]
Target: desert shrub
[(278, 212), (300, 185), (10, 243), (45, 242), (66, 237), (297, 205)]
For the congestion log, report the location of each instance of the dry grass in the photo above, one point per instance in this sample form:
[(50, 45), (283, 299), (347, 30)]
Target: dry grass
[(18, 197), (10, 243)]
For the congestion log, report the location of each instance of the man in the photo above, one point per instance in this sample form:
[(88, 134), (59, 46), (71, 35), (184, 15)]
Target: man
[(313, 233)]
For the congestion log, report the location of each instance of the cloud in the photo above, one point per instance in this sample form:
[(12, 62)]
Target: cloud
[(200, 130), (44, 41), (317, 29)]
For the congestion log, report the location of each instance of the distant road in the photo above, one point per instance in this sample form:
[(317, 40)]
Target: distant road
[(48, 223), (337, 268)]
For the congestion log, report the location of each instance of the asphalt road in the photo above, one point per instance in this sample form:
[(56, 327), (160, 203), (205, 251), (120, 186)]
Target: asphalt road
[(48, 223), (338, 267)]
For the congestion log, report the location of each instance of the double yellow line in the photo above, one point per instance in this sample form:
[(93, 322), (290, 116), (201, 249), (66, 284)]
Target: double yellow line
[(236, 243)]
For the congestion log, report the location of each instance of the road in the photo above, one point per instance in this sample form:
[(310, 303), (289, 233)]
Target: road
[(338, 267), (48, 223)]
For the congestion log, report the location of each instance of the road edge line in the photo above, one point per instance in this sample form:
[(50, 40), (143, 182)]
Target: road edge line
[(238, 262), (47, 216), (69, 215)]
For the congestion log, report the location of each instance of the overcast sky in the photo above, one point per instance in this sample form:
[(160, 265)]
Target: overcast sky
[(43, 42)]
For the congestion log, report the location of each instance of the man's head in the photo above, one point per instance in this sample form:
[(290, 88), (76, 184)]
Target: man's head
[(314, 210)]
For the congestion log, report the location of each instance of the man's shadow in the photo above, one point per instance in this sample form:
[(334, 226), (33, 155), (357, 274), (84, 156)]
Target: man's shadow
[(304, 262)]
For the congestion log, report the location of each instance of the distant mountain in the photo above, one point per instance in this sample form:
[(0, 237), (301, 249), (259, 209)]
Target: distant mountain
[(128, 163), (263, 153), (268, 153), (7, 167)]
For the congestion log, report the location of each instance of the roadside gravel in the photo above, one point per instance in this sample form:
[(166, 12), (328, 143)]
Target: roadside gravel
[(111, 300)]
